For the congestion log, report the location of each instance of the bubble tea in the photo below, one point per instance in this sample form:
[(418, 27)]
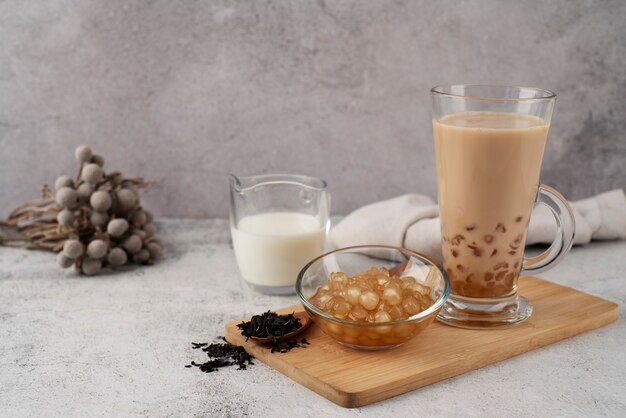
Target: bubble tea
[(488, 164), (489, 144)]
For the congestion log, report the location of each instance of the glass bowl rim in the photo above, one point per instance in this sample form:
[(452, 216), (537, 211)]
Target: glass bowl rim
[(433, 308)]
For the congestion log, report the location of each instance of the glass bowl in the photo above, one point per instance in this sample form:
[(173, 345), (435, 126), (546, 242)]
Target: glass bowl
[(352, 260)]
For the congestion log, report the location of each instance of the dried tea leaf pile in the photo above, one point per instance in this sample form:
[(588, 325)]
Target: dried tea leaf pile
[(269, 324), (222, 355), (93, 221)]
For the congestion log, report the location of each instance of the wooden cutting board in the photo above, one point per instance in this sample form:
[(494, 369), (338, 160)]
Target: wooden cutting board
[(353, 378)]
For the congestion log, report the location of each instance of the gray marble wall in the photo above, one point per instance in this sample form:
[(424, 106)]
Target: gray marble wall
[(185, 91)]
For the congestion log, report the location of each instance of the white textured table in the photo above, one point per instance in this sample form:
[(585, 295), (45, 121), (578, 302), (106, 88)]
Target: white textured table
[(116, 344)]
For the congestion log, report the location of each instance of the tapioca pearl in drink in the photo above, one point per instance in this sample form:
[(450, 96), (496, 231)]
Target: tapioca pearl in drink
[(476, 250), (501, 265), (509, 278), (457, 239), (500, 228)]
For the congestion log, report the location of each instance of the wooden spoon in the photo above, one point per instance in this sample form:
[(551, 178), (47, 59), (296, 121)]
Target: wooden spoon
[(305, 322)]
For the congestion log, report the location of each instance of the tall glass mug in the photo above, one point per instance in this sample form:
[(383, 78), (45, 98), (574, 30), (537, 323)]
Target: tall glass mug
[(278, 223), (489, 143)]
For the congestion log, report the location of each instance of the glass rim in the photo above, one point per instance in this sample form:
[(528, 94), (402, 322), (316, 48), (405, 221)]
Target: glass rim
[(425, 313), (309, 182), (446, 91)]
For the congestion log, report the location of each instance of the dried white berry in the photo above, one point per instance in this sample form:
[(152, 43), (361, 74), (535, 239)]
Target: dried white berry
[(72, 248), (155, 250), (100, 201), (63, 261), (149, 216), (132, 244), (149, 229), (117, 227), (83, 153), (97, 249), (99, 218), (157, 241), (139, 218), (65, 217), (141, 234), (97, 159), (141, 256), (116, 179), (127, 199), (63, 181), (91, 173), (84, 191), (91, 266), (67, 197), (117, 257)]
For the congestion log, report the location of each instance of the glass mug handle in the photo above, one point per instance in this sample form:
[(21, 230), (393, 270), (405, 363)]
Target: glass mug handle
[(566, 227)]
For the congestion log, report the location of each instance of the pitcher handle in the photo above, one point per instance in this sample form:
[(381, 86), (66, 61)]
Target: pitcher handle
[(566, 228)]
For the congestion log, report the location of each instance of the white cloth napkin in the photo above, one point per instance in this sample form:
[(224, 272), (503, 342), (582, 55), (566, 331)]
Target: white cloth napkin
[(412, 221)]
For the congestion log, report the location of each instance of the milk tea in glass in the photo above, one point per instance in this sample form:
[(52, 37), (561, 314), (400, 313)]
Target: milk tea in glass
[(489, 144)]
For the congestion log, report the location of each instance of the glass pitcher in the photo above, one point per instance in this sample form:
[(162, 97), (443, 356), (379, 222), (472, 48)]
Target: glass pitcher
[(278, 223)]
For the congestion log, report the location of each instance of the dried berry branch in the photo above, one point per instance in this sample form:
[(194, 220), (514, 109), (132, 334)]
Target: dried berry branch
[(93, 221)]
